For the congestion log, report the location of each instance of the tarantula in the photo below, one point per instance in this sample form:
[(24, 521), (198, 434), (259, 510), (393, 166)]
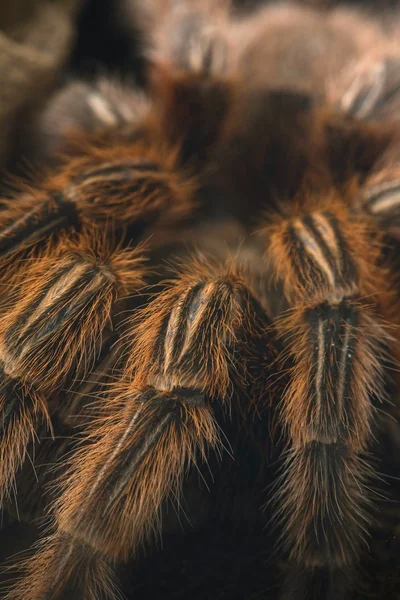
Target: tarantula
[(289, 317)]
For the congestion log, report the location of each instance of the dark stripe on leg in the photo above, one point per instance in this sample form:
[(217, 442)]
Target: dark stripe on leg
[(332, 343), (153, 418), (128, 167), (45, 217)]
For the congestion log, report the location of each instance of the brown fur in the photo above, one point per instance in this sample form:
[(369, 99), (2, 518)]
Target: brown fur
[(289, 157), (163, 196), (75, 341), (337, 342), (363, 246), (107, 178), (90, 280), (205, 310), (60, 556)]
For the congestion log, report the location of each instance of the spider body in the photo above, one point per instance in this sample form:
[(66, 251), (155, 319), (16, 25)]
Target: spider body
[(288, 320)]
